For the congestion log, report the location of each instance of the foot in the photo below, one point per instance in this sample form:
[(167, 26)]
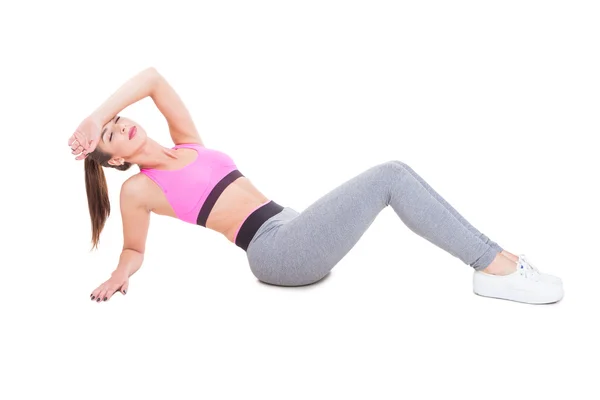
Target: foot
[(502, 265), (510, 255), (547, 277), (506, 263), (526, 285)]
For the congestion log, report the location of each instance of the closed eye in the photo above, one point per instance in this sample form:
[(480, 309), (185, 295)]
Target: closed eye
[(116, 120)]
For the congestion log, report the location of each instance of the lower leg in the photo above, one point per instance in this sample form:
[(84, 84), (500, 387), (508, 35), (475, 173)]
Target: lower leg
[(452, 210), (466, 223), (428, 215)]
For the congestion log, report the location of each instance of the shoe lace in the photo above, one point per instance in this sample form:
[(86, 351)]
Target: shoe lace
[(524, 259), (527, 269)]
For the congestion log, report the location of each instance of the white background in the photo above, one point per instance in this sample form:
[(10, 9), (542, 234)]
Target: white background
[(495, 104)]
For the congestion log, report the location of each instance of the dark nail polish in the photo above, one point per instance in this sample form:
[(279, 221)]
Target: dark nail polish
[(124, 291), (98, 299), (105, 298), (93, 297)]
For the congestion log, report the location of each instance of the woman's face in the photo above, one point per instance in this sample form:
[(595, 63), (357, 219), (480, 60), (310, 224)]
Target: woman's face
[(121, 137)]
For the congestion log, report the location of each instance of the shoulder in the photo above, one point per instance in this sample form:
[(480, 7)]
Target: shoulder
[(135, 190), (134, 184)]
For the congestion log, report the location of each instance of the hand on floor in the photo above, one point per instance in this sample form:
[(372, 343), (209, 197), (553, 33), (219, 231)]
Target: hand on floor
[(117, 282)]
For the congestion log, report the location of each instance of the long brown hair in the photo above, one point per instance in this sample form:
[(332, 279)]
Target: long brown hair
[(97, 190)]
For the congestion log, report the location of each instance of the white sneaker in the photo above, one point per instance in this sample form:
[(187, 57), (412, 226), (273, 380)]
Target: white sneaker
[(546, 277), (525, 285)]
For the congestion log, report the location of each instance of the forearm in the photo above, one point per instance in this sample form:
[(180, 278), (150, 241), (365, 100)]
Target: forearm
[(129, 262), (132, 91)]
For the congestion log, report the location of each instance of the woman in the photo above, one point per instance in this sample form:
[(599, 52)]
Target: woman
[(283, 246)]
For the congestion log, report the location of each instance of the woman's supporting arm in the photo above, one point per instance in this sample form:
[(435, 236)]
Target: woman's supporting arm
[(135, 216), (129, 262), (135, 89)]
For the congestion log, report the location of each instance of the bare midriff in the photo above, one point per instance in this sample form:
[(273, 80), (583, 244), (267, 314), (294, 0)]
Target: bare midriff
[(238, 200), (232, 207)]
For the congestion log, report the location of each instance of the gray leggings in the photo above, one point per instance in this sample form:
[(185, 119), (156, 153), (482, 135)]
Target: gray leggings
[(294, 249)]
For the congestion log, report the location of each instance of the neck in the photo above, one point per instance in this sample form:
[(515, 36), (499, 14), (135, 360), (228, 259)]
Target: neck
[(152, 155)]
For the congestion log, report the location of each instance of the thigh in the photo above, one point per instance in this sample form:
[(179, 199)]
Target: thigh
[(303, 249)]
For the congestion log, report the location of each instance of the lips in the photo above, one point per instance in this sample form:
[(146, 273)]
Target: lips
[(132, 132)]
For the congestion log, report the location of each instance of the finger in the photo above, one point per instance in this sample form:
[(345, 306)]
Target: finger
[(73, 141), (77, 150), (92, 145), (81, 156), (75, 145), (99, 296), (125, 287), (96, 293), (81, 139), (102, 295), (110, 293)]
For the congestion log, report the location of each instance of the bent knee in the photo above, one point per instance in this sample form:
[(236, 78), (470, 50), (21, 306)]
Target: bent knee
[(394, 166)]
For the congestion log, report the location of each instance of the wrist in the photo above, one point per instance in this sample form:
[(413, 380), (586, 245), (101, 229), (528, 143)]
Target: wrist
[(97, 119), (120, 272)]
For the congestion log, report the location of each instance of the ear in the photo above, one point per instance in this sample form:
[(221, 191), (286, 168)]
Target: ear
[(116, 161)]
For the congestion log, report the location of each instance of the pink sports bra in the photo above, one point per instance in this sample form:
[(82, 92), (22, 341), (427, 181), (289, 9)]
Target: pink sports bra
[(194, 189)]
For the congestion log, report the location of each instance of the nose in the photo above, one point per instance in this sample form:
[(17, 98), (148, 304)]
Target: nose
[(122, 129)]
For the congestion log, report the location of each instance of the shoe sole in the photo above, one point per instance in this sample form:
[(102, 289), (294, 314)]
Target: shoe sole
[(520, 297)]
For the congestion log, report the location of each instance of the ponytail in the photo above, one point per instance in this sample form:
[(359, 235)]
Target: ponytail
[(97, 196), (97, 190)]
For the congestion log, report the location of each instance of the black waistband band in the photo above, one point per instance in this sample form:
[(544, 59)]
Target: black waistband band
[(255, 221), (214, 196)]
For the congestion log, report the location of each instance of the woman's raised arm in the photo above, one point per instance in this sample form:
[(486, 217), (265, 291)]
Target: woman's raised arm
[(86, 136), (135, 89)]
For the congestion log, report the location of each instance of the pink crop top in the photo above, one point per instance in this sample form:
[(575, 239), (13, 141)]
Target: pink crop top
[(193, 190)]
